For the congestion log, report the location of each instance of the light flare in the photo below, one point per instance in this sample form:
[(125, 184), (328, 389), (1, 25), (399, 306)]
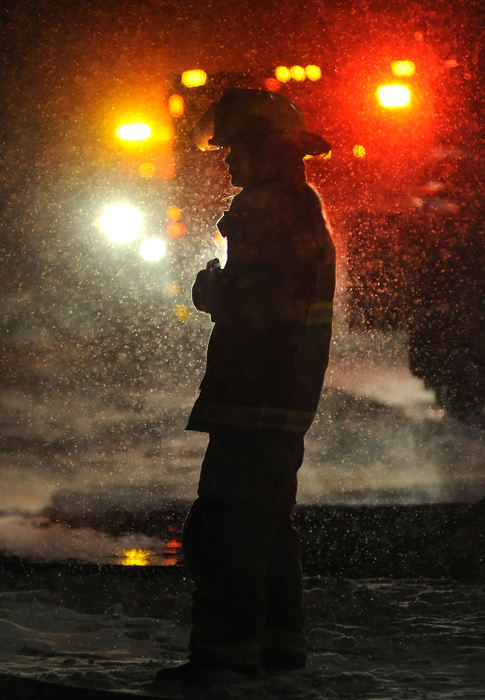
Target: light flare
[(403, 68), (133, 132), (153, 249), (194, 78), (393, 96), (121, 223), (272, 84), (173, 213), (359, 151), (313, 72), (323, 156), (176, 229), (147, 170), (282, 74), (176, 106), (298, 73), (164, 132), (219, 240)]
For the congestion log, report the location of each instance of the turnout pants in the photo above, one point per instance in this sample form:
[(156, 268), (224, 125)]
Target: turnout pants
[(242, 551)]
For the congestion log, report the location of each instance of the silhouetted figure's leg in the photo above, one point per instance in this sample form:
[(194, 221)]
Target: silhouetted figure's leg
[(240, 523), (283, 643)]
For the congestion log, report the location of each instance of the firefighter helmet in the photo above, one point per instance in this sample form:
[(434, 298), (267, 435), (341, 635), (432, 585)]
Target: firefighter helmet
[(256, 115)]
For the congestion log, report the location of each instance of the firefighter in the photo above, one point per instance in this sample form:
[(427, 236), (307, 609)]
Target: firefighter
[(272, 309)]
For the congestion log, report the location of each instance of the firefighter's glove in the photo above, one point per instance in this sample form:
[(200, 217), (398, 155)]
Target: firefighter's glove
[(205, 286)]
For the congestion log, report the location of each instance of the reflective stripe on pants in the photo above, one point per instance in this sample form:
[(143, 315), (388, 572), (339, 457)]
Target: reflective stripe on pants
[(257, 417)]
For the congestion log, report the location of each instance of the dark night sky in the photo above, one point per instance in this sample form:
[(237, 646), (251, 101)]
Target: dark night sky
[(75, 50)]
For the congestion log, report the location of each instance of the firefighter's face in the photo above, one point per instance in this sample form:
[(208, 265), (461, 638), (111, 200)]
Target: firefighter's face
[(240, 160)]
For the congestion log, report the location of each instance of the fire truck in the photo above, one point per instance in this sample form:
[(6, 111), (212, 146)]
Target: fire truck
[(408, 210)]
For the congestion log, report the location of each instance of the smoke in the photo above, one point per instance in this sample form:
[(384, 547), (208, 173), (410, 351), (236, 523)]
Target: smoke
[(38, 538), (378, 437)]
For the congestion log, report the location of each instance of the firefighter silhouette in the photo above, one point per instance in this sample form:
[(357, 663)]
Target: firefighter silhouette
[(266, 359)]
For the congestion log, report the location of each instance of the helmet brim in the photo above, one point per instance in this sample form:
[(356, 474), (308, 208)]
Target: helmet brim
[(306, 142), (203, 132), (208, 135)]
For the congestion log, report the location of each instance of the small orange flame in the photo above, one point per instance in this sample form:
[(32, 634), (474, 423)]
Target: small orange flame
[(135, 557)]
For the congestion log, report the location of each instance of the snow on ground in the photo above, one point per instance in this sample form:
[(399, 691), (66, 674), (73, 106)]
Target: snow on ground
[(378, 639)]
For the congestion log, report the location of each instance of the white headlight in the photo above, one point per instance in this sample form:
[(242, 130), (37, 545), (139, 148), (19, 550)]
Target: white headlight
[(153, 249), (122, 223)]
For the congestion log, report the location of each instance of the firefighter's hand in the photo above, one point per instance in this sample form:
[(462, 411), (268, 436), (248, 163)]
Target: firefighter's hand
[(205, 286)]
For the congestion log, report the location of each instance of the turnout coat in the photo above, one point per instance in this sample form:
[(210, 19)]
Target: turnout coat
[(272, 308)]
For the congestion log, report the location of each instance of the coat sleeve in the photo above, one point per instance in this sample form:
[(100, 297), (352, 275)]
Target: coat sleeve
[(280, 266), (263, 268)]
